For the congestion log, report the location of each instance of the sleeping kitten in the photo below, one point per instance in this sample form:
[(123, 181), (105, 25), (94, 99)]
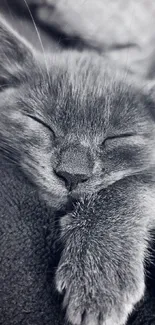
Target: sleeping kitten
[(80, 131)]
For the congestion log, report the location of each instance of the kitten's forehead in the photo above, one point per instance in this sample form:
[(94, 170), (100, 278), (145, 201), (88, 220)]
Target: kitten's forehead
[(90, 94), (83, 94)]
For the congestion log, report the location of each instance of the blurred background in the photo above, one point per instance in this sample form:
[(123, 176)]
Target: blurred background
[(123, 30)]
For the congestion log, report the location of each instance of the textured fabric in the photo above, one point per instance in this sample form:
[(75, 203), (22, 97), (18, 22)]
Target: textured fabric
[(27, 259), (123, 29)]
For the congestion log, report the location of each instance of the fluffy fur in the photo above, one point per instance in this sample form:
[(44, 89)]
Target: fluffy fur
[(84, 134)]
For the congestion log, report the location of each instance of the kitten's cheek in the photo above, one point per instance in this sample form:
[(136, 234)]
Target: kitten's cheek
[(55, 201)]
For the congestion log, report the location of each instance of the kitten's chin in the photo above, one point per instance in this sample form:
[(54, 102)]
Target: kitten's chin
[(89, 190)]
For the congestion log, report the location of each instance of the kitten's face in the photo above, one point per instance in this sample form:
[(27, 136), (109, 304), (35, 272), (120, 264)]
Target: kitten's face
[(76, 129)]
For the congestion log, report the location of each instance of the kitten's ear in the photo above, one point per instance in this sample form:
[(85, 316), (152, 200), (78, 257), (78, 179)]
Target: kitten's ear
[(15, 54)]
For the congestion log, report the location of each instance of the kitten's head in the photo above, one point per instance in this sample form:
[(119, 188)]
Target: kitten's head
[(70, 120)]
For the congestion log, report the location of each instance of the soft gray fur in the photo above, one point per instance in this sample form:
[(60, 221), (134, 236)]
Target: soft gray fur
[(80, 131)]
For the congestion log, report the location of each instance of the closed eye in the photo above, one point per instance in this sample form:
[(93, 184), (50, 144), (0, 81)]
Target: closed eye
[(41, 122), (119, 136), (124, 135)]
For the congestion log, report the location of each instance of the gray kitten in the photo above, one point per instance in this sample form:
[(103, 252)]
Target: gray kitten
[(82, 132)]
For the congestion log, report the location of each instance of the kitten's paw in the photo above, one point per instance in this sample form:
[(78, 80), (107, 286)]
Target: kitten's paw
[(91, 301)]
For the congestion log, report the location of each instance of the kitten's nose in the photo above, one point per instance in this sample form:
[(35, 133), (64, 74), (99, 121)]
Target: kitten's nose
[(72, 180), (75, 165)]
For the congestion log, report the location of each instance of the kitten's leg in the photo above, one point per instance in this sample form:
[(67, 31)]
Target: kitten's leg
[(101, 269)]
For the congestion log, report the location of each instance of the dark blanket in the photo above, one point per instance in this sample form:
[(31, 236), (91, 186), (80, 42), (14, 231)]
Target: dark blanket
[(28, 228), (27, 258)]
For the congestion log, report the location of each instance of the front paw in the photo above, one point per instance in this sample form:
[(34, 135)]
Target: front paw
[(94, 297)]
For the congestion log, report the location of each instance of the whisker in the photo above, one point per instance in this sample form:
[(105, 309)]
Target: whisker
[(40, 40)]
